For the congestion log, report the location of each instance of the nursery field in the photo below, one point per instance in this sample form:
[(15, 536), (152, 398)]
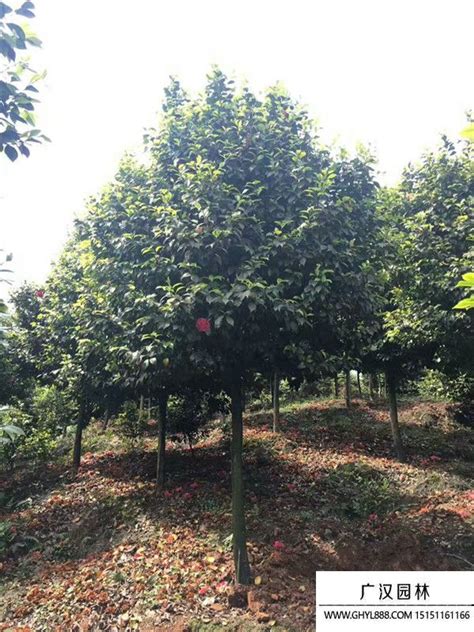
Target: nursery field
[(105, 551)]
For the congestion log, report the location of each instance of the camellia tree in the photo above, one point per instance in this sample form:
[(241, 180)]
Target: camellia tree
[(254, 234), (75, 330), (427, 222), (437, 250), (152, 359), (22, 348), (119, 230)]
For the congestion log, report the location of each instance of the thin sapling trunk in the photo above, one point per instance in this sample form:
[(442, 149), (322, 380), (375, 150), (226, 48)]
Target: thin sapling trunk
[(348, 388), (160, 454), (76, 453), (371, 386), (105, 421), (239, 535), (391, 388), (276, 401)]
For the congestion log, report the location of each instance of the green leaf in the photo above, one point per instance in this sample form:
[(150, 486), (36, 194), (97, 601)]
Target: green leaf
[(38, 77), (466, 303), (19, 32), (12, 430), (468, 280), (26, 10), (6, 50), (11, 152), (468, 132), (4, 9)]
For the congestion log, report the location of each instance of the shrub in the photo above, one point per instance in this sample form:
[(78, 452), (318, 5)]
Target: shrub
[(29, 442), (361, 491), (435, 385), (52, 408), (129, 423), (38, 445), (11, 435), (187, 413)]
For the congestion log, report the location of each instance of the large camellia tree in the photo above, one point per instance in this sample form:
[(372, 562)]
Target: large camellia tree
[(260, 234)]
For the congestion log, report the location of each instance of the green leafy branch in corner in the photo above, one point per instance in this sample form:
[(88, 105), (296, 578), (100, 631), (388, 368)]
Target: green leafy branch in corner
[(17, 82), (467, 281), (468, 278)]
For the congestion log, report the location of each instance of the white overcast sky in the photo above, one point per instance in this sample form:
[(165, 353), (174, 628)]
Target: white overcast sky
[(390, 73)]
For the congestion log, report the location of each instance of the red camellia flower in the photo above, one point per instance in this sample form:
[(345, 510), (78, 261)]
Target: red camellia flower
[(203, 325), (40, 293), (278, 545)]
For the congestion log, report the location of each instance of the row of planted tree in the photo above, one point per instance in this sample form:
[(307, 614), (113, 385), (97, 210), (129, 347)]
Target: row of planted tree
[(240, 246)]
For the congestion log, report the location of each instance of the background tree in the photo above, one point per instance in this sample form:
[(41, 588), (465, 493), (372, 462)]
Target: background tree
[(436, 203), (426, 223)]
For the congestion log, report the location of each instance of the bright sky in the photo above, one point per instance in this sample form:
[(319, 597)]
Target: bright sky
[(392, 73)]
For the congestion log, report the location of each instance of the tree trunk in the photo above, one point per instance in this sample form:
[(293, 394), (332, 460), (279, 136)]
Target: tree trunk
[(359, 387), (391, 388), (336, 386), (105, 421), (276, 401), (160, 454), (371, 386), (76, 453), (239, 536), (140, 408), (190, 443), (348, 388)]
